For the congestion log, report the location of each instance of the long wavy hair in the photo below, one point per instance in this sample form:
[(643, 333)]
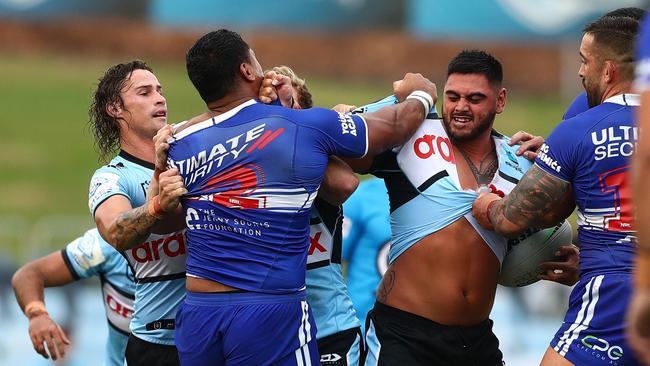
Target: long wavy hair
[(104, 127)]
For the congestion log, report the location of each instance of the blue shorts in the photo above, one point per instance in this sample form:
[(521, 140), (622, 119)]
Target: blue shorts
[(246, 328), (593, 332)]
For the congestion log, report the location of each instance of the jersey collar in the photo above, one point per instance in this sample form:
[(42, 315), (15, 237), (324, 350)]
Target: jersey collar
[(632, 100)]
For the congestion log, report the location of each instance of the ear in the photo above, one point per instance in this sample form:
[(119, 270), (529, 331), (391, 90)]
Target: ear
[(247, 71), (501, 100), (610, 72), (114, 110)]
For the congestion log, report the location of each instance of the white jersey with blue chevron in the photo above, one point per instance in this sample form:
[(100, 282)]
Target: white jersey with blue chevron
[(326, 290), (422, 177), (366, 241), (90, 256), (158, 264)]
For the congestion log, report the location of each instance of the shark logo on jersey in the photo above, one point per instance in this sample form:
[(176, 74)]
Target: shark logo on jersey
[(102, 185), (87, 252)]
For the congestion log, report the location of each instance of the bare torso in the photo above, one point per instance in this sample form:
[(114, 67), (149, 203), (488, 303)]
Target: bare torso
[(449, 276)]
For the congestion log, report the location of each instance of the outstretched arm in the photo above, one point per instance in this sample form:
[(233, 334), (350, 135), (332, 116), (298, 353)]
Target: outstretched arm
[(29, 283), (539, 200)]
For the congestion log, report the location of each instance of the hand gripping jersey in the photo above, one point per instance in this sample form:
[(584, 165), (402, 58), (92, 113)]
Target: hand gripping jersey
[(421, 176), (366, 241), (252, 174), (158, 264), (90, 256), (592, 152), (326, 290)]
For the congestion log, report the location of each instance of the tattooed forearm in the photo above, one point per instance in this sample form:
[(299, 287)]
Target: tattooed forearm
[(132, 228), (386, 285), (537, 195)]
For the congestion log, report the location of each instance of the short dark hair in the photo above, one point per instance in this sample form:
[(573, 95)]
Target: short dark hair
[(105, 128), (477, 62), (213, 62), (614, 39), (634, 13)]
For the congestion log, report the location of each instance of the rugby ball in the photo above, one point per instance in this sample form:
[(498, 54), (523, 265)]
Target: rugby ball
[(525, 253)]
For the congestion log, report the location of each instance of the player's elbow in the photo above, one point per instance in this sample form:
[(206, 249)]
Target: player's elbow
[(349, 184), (21, 276)]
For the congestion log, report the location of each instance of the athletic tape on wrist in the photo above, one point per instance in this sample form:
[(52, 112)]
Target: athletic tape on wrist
[(35, 308), (424, 98), (154, 209)]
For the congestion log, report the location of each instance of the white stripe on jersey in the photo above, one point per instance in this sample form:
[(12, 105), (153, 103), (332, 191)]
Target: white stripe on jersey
[(212, 121)]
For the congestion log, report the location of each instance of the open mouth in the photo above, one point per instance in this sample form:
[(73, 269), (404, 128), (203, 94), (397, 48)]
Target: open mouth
[(160, 114), (461, 119)]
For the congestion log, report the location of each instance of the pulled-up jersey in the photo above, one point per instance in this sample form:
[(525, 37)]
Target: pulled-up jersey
[(421, 176), (158, 264), (327, 292), (90, 256), (592, 152), (252, 174)]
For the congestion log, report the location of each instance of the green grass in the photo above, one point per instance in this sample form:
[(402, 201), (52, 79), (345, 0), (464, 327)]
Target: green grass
[(47, 151)]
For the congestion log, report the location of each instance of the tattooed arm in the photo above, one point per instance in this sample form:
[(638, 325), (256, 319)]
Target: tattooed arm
[(539, 200), (125, 227)]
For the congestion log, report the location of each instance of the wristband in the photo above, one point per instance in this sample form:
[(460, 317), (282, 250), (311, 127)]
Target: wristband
[(154, 209), (34, 309), (424, 98), (489, 209), (642, 271), (156, 173)]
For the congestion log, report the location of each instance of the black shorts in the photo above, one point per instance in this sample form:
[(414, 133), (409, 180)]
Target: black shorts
[(341, 349), (142, 353), (398, 338)]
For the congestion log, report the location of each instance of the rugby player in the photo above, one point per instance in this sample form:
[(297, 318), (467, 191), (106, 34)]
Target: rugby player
[(247, 210), (128, 109), (85, 257), (580, 104), (638, 328), (435, 298), (587, 157), (339, 336)]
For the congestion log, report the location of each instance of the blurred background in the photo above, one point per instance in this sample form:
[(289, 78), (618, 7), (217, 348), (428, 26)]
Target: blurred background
[(53, 52)]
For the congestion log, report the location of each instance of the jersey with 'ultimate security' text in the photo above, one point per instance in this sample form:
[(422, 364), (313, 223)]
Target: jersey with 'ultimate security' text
[(592, 152), (252, 174)]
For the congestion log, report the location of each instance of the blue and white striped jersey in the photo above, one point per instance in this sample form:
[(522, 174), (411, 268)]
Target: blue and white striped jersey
[(90, 256), (158, 264)]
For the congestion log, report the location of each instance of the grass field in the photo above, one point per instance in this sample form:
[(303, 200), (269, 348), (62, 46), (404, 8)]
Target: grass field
[(48, 155)]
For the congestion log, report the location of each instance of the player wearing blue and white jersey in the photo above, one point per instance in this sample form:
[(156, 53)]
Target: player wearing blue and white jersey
[(579, 103), (639, 311), (252, 172), (85, 257), (585, 163), (127, 111), (366, 240)]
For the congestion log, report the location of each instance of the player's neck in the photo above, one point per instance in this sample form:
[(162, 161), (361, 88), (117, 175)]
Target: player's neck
[(617, 89), (240, 95), (140, 148), (477, 148)]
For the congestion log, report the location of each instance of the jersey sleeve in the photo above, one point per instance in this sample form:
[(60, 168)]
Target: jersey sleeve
[(557, 154), (106, 182), (642, 82), (86, 256), (340, 134)]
